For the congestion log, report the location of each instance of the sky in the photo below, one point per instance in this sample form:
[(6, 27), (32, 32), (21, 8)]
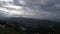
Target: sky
[(39, 9)]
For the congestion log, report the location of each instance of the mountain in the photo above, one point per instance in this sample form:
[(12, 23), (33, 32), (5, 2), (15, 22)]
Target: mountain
[(34, 23)]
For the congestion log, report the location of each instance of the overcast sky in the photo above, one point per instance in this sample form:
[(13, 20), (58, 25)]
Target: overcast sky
[(40, 9)]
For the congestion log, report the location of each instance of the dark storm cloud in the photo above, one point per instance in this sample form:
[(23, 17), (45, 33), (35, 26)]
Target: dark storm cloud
[(45, 9), (40, 9), (52, 6)]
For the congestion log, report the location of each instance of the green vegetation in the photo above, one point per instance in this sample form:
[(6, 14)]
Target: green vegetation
[(8, 31), (13, 27)]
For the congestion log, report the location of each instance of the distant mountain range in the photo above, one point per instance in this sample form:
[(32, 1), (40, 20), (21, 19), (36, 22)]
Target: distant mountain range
[(34, 23)]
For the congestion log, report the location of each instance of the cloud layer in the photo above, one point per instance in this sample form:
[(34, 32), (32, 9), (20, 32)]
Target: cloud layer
[(40, 9)]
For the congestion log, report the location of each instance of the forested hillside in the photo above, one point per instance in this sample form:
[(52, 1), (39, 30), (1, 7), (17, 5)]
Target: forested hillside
[(29, 25)]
